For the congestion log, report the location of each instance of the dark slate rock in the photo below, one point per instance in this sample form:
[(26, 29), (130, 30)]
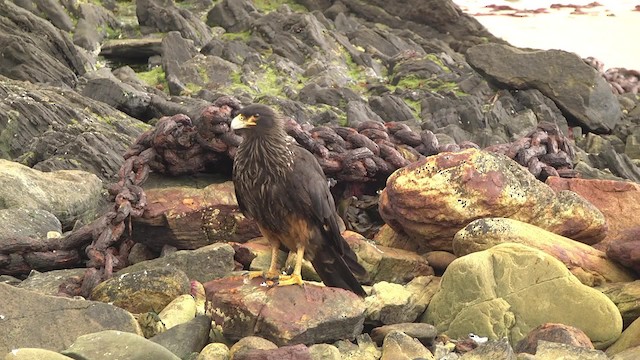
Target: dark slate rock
[(131, 50), (53, 11), (338, 97), (203, 264), (391, 108), (52, 129), (233, 51), (358, 112), (164, 16), (40, 52), (185, 339), (121, 96), (90, 30), (233, 15), (577, 88)]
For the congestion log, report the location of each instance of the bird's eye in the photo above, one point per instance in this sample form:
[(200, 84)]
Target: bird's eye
[(256, 116)]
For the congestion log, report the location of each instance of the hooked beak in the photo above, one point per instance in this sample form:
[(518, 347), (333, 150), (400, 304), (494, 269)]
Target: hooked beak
[(242, 122)]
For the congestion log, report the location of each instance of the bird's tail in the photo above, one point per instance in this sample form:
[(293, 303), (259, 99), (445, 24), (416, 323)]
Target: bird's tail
[(338, 271)]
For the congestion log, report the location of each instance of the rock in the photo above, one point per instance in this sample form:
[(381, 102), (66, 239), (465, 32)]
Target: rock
[(398, 345), (629, 354), (546, 71), (28, 240), (67, 131), (617, 200), (233, 15), (292, 352), (590, 266), (179, 311), (186, 338), (433, 198), (30, 319), (391, 107), (324, 352), (386, 263), (491, 350), (124, 97), (40, 52), (48, 283), (557, 333), (164, 16), (250, 343), (143, 291), (425, 333), (630, 338), (17, 222), (203, 264), (190, 218), (439, 260), (363, 349), (489, 293), (321, 314), (30, 354), (552, 350), (391, 304), (214, 351), (91, 27), (113, 344), (70, 195), (626, 296), (386, 236)]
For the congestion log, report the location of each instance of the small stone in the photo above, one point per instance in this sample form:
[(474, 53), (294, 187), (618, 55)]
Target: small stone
[(324, 352), (558, 333), (112, 344), (391, 304), (629, 354), (292, 352), (425, 333), (552, 351), (400, 346), (143, 291), (491, 350), (31, 354), (179, 311), (249, 343), (215, 351), (439, 260), (626, 296), (363, 349), (187, 338), (48, 283)]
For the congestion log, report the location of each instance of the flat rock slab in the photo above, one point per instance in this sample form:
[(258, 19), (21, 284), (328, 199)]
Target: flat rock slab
[(285, 315), (29, 319), (577, 88), (112, 344), (491, 292)]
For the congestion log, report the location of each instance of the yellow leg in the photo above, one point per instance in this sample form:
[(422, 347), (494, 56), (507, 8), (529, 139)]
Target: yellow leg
[(273, 271), (296, 277)]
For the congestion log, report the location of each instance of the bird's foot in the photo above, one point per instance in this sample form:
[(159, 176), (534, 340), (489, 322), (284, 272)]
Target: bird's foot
[(292, 279), (267, 275)]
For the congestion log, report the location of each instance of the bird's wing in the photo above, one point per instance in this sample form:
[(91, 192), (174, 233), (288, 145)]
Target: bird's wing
[(309, 181)]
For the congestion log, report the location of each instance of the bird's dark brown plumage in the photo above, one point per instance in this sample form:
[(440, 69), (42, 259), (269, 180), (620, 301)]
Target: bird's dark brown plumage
[(283, 188)]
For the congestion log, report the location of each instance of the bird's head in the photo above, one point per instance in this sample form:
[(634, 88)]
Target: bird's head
[(256, 119)]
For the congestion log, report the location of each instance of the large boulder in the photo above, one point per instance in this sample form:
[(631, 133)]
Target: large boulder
[(589, 265), (30, 319), (490, 294), (70, 195), (577, 88), (433, 198)]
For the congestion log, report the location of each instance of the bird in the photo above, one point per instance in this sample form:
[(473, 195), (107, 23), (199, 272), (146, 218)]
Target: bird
[(281, 186)]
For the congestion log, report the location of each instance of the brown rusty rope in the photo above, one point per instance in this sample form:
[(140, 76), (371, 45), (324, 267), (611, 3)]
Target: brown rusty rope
[(368, 153)]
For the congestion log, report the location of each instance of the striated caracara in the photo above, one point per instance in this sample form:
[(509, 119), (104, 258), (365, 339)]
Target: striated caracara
[(282, 187)]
